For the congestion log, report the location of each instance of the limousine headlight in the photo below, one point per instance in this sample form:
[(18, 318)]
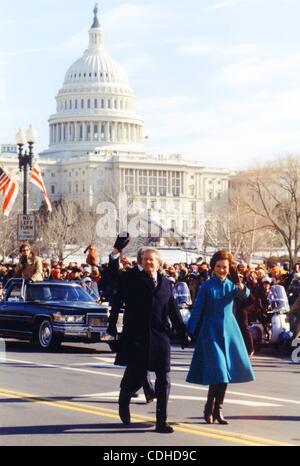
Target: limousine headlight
[(68, 319)]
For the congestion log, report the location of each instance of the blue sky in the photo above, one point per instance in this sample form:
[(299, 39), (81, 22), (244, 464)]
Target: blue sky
[(217, 80)]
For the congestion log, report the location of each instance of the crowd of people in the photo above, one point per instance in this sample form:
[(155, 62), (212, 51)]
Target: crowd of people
[(95, 277), (225, 297)]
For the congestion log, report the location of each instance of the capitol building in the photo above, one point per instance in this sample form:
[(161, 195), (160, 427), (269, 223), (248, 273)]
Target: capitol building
[(96, 149)]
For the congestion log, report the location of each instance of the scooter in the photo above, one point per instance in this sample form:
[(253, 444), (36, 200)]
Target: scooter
[(277, 331), (183, 298)]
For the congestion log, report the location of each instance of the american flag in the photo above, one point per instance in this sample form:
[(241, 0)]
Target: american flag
[(36, 178), (9, 190)]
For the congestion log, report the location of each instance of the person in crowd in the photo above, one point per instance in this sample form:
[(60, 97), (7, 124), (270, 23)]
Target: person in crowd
[(63, 273), (3, 274), (293, 275), (220, 356), (92, 258), (46, 270), (56, 274), (193, 284), (262, 303), (293, 290), (242, 269), (294, 318), (90, 287), (1, 291), (30, 266), (75, 273), (145, 341)]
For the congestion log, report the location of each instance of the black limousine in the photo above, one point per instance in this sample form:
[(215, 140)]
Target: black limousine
[(50, 312)]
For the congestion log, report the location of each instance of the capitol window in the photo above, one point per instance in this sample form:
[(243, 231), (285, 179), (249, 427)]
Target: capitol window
[(143, 182), (129, 180), (52, 189), (175, 180), (102, 103), (95, 132), (76, 103), (162, 183), (89, 103), (153, 182), (82, 103), (96, 103)]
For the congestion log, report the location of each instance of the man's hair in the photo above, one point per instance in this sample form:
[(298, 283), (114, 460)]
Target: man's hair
[(150, 249)]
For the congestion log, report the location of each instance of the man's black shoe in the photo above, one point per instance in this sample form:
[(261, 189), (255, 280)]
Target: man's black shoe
[(164, 428), (124, 414)]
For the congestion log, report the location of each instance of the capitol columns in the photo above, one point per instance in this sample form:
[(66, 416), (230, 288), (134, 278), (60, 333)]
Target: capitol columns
[(107, 131)]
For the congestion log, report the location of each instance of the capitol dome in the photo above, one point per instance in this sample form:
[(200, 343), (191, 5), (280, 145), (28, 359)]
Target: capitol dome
[(97, 68), (96, 107)]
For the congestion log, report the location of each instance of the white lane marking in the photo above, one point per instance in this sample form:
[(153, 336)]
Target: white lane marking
[(66, 368), (186, 385), (251, 395), (108, 362), (141, 399)]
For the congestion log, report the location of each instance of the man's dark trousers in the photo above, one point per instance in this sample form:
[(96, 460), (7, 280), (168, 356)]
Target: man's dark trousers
[(133, 379)]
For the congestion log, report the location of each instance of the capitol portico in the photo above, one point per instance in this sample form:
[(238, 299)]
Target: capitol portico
[(96, 148)]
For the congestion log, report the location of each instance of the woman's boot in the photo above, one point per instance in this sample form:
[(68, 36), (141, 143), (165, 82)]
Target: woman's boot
[(220, 395), (209, 407)]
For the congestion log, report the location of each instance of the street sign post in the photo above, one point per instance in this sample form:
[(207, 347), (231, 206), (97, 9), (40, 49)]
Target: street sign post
[(26, 227)]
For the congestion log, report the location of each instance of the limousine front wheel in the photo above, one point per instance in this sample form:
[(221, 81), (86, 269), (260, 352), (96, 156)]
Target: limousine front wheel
[(45, 337)]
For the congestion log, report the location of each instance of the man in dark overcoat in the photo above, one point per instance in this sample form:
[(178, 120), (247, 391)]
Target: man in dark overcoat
[(112, 330), (145, 340)]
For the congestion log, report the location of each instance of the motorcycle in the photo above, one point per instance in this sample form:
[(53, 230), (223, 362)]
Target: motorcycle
[(276, 331), (183, 298)]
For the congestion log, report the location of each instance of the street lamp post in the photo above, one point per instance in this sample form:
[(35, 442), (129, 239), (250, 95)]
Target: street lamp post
[(25, 159)]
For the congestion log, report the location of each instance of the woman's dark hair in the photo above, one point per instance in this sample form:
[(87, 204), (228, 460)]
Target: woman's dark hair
[(25, 245), (220, 256)]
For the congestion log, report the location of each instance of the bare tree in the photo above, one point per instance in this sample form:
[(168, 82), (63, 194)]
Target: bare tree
[(271, 195), (67, 224)]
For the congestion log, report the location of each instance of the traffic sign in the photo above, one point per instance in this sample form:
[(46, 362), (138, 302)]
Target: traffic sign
[(26, 227)]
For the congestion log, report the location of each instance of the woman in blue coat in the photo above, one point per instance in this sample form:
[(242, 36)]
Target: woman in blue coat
[(220, 356)]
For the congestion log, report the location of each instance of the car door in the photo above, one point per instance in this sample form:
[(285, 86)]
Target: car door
[(14, 320)]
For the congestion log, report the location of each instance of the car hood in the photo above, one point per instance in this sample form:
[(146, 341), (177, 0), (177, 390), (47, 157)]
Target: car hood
[(72, 306)]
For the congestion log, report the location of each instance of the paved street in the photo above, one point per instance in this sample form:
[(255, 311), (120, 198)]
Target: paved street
[(70, 398)]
